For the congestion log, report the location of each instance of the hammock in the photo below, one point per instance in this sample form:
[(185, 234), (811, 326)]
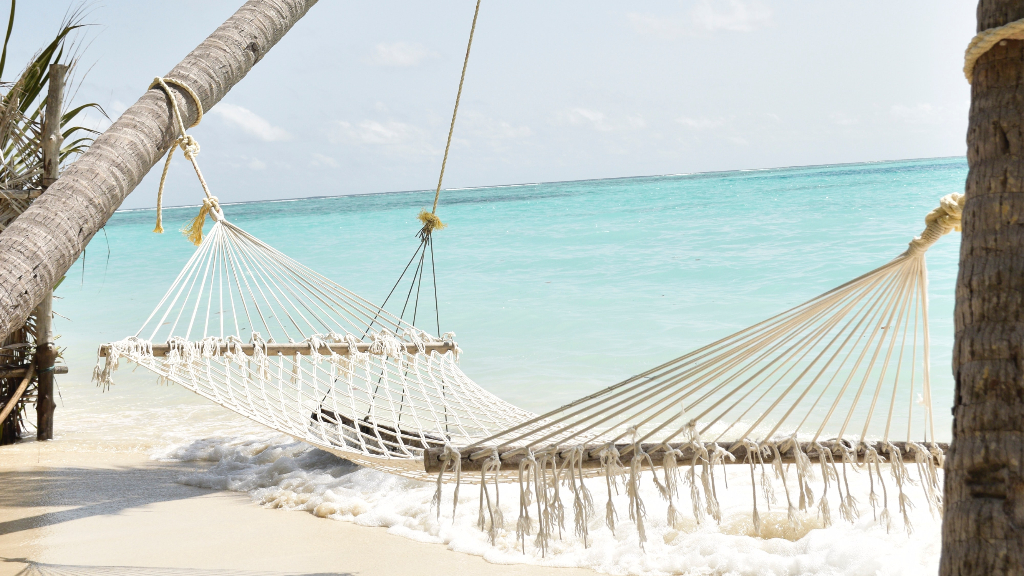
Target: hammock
[(260, 334), (834, 367)]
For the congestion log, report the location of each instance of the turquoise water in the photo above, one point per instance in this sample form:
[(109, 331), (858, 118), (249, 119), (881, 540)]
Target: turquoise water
[(554, 290)]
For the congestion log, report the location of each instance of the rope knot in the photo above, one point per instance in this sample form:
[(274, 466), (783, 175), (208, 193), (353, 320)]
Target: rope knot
[(949, 212), (939, 222), (430, 223), (188, 146)]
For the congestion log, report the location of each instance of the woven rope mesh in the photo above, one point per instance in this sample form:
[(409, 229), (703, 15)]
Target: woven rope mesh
[(392, 391)]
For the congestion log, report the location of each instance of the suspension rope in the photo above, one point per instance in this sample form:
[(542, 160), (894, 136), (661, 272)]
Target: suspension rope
[(429, 219), (190, 148)]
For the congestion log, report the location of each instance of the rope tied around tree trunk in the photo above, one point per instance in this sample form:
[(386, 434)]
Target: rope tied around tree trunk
[(190, 148), (986, 39)]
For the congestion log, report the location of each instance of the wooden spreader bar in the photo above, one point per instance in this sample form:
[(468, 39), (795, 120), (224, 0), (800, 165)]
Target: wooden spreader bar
[(289, 349), (432, 457)]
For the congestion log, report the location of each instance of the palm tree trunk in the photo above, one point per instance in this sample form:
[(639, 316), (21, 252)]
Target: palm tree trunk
[(983, 525), (42, 244)]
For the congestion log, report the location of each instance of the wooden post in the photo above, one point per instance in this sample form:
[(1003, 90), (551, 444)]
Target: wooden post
[(46, 351)]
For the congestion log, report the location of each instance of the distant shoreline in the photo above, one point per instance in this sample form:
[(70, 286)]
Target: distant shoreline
[(423, 191)]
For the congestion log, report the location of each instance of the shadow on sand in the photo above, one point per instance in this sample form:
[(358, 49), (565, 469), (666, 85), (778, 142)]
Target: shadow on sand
[(84, 492), (40, 569)]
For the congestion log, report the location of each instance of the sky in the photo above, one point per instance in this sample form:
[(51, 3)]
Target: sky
[(357, 98)]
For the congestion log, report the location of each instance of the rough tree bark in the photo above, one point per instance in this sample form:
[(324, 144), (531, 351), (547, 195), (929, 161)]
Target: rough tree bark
[(42, 244), (983, 525)]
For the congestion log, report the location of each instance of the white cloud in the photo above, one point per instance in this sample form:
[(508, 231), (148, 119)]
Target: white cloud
[(700, 123), (373, 132), (918, 114), (842, 119), (655, 26), (738, 17), (320, 160), (706, 17), (393, 135), (589, 118), (255, 164), (597, 120), (479, 126), (250, 122), (400, 54), (636, 121), (506, 130)]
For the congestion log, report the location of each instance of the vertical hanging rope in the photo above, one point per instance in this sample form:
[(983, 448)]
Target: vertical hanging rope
[(429, 219)]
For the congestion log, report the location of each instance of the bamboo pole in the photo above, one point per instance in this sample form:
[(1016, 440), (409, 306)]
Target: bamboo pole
[(9, 407), (46, 351)]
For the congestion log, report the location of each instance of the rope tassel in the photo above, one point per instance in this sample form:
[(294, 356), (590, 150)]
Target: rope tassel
[(671, 486), (900, 474), (612, 468), (781, 473), (583, 502), (525, 498), (637, 510), (492, 464), (827, 473), (749, 459), (452, 458), (194, 231), (848, 508)]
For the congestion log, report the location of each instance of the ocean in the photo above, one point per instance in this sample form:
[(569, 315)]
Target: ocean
[(554, 290)]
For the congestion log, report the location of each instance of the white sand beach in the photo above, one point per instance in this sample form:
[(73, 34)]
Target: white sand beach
[(77, 512)]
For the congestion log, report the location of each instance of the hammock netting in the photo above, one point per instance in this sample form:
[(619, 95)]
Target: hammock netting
[(842, 379), (260, 334)]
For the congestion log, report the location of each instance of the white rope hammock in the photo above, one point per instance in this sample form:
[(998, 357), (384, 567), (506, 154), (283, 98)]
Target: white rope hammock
[(268, 338), (835, 366)]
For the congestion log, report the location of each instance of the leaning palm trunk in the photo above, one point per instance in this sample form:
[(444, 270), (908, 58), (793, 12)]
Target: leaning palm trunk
[(42, 244), (983, 527)]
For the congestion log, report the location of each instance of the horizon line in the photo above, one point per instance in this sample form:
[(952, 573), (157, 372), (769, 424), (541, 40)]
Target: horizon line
[(547, 182)]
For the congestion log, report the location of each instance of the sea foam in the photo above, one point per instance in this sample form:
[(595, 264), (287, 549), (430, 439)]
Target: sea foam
[(278, 472)]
